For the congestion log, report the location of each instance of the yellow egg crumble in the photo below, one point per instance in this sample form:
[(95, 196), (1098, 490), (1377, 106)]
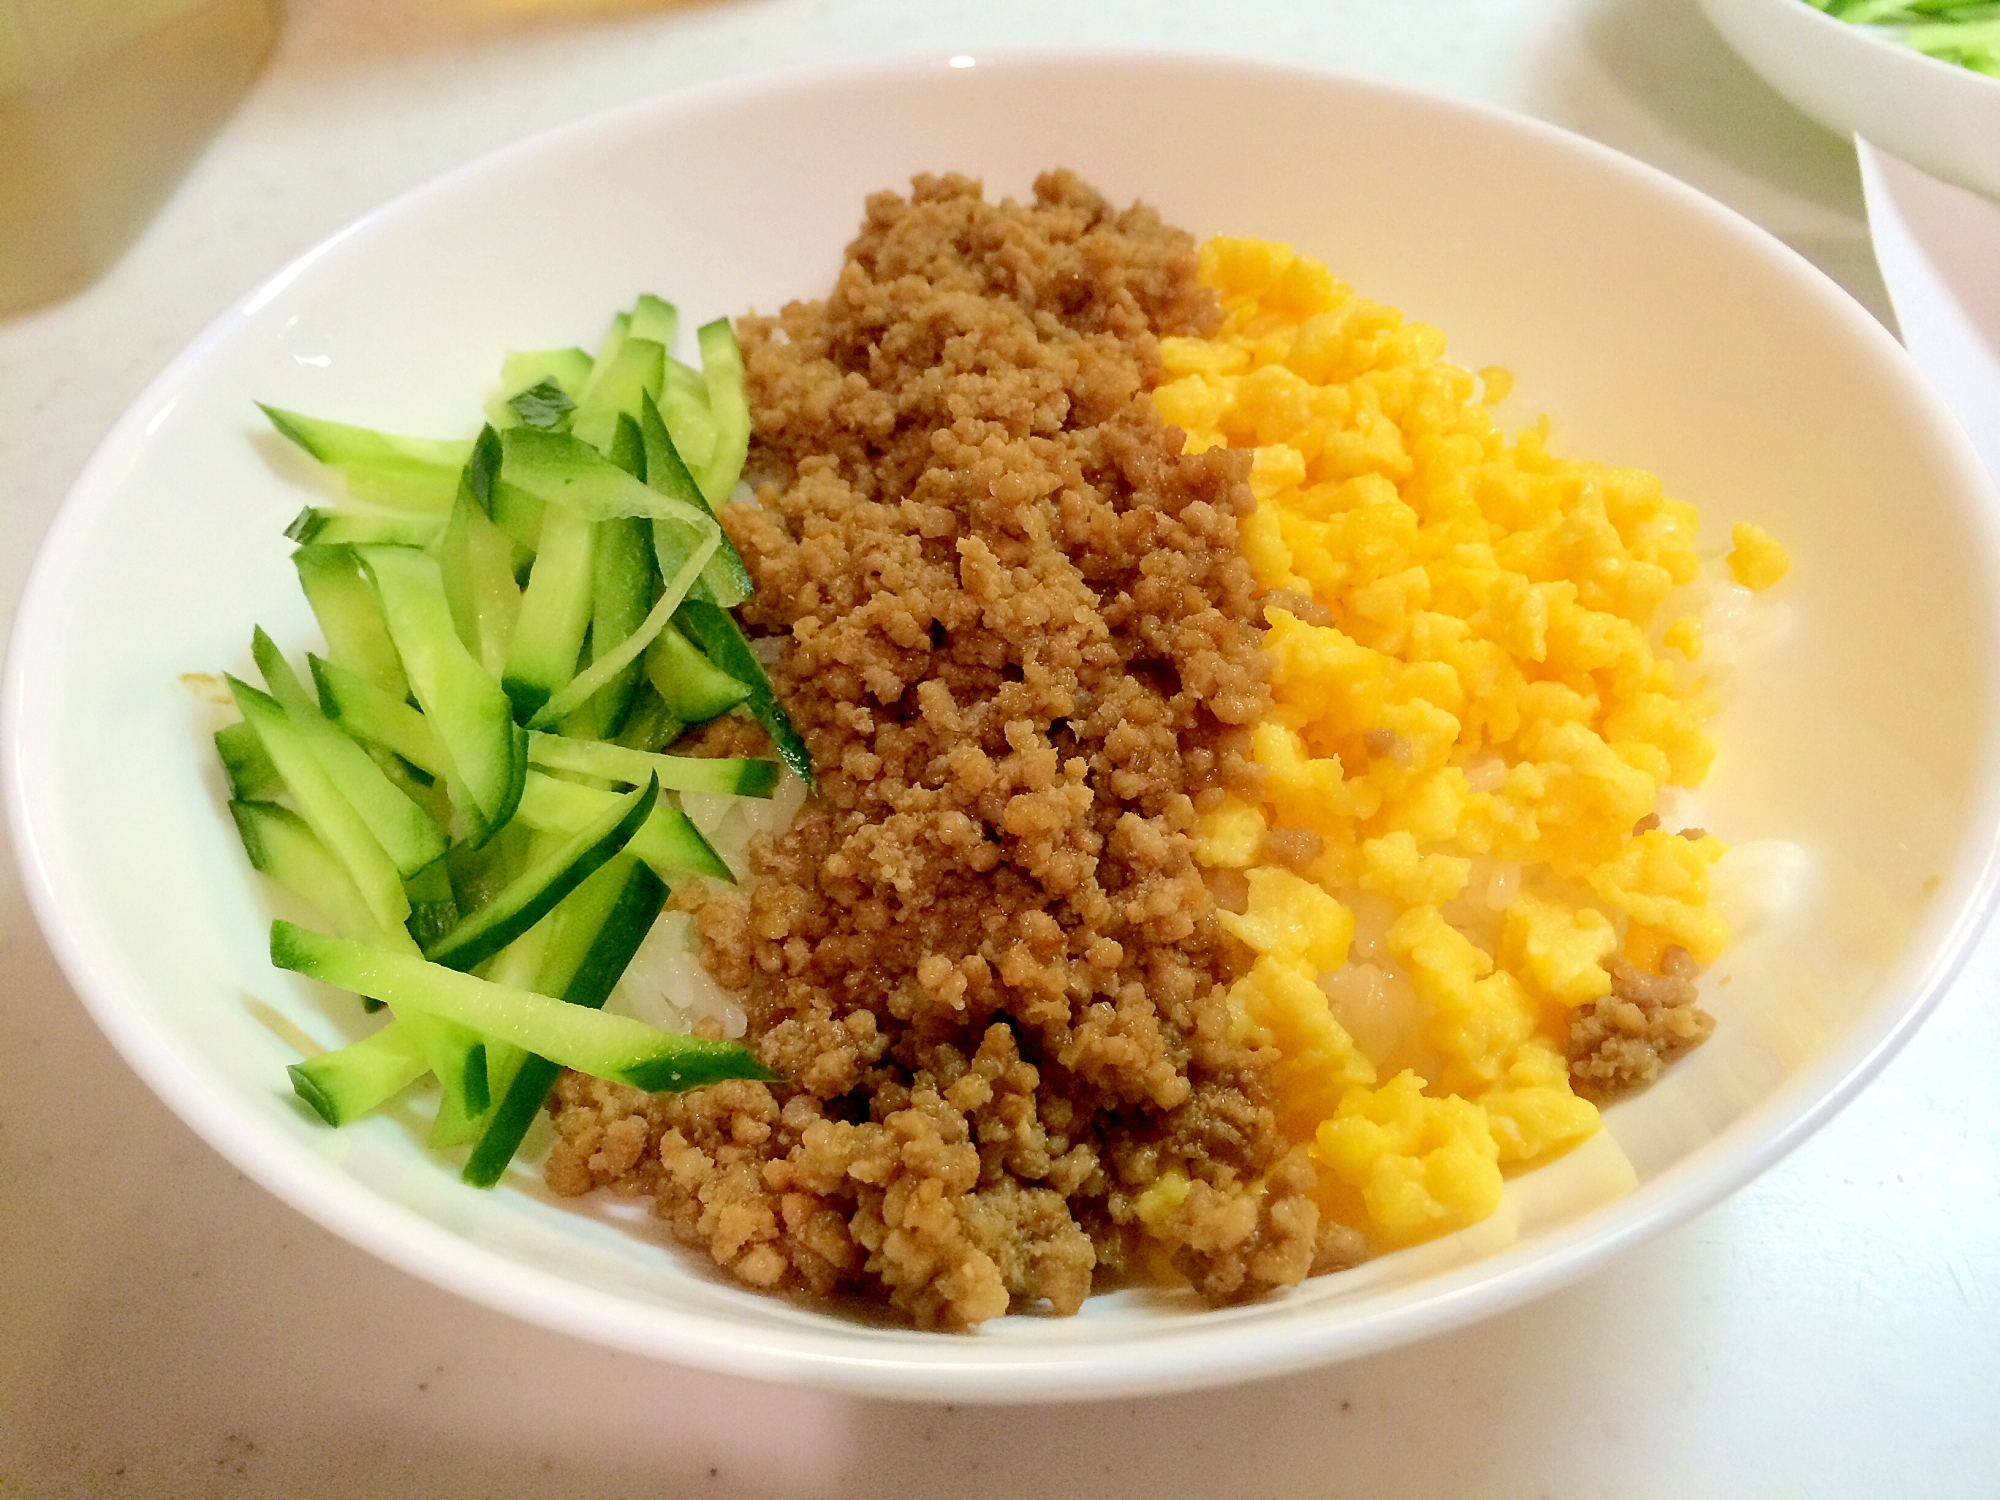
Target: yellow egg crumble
[(1472, 711)]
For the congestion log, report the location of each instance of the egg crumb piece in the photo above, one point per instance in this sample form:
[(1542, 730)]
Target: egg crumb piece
[(1465, 684), (1756, 558)]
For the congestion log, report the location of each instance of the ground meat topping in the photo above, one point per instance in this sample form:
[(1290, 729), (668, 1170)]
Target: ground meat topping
[(1020, 642), (1623, 1042)]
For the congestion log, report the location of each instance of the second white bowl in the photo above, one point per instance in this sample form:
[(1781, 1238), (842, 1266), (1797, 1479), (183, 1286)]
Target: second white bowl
[(1935, 115)]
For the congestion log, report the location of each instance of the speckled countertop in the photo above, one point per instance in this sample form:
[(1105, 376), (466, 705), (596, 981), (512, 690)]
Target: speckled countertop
[(169, 1329)]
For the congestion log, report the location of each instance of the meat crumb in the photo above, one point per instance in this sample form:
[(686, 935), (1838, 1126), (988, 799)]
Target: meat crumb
[(1294, 848), (1387, 744), (1015, 631), (1623, 1042)]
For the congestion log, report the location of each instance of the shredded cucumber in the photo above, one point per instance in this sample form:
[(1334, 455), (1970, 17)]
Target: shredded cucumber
[(467, 787)]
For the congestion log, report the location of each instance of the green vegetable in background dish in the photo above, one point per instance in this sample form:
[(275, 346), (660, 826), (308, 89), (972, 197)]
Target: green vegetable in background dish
[(1965, 32)]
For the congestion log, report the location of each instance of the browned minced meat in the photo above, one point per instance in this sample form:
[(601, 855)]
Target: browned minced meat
[(1022, 647), (1624, 1041)]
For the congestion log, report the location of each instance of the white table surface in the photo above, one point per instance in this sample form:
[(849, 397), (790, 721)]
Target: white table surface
[(168, 1328)]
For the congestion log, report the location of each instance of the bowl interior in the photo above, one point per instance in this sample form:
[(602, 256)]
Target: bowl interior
[(1658, 330)]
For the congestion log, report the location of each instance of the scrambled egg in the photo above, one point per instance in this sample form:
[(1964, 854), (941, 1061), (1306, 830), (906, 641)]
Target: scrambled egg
[(1480, 684)]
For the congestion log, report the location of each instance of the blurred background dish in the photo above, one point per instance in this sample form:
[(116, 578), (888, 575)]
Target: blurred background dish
[(1854, 81), (103, 103), (1938, 246)]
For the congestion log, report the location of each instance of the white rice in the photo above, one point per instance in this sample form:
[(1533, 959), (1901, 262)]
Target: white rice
[(665, 984), (1757, 880)]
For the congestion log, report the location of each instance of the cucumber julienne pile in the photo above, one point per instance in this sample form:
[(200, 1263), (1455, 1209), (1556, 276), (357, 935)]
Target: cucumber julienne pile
[(470, 792)]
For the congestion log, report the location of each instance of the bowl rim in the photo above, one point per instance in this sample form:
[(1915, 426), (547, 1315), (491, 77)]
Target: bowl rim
[(1203, 1352)]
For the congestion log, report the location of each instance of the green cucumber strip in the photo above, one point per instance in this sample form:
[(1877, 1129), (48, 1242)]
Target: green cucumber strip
[(483, 471), (693, 688), (467, 1095), (428, 792), (528, 898), (674, 542), (338, 443), (601, 365), (350, 616), (476, 561), (540, 959), (612, 1047), (600, 673), (684, 407), (631, 379), (652, 318), (460, 1110), (676, 773), (545, 405), (627, 449), (516, 1103), (607, 349), (323, 527), (555, 613), (519, 514), (433, 905), (404, 830), (478, 871), (620, 596), (252, 777), (722, 373), (404, 472), (322, 805), (518, 966), (649, 726), (665, 469), (365, 711), (479, 585), (280, 681), (714, 630), (623, 589), (561, 470), (574, 925), (725, 580), (668, 841), (456, 1054), (344, 1085), (523, 369), (613, 930), (396, 489), (485, 754), (283, 846)]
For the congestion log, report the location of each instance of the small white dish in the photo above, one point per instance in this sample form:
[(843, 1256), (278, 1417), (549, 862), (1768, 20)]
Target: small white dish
[(1936, 115), (1658, 328)]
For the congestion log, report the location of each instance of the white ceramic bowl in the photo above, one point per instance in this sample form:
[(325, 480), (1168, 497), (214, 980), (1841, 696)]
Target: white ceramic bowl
[(1935, 115), (1661, 330)]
